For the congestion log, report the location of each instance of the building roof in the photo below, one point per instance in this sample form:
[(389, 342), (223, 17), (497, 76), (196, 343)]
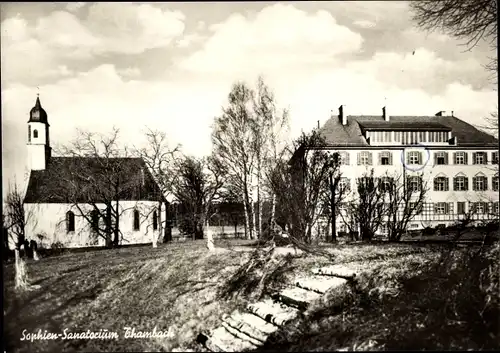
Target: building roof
[(402, 125), (350, 134), (90, 179), (37, 113)]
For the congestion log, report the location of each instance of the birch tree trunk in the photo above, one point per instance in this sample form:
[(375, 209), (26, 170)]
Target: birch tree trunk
[(273, 208), (247, 225), (252, 211), (259, 205), (210, 239), (20, 267)]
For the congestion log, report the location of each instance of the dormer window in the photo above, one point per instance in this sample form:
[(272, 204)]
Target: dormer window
[(385, 158), (494, 158), (441, 158), (344, 158), (364, 158), (480, 158), (35, 133)]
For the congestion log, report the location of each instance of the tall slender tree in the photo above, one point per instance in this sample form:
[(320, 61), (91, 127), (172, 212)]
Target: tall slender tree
[(234, 147)]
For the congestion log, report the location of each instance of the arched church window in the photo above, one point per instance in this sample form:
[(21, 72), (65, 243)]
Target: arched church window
[(70, 221), (136, 220), (35, 133), (155, 220)]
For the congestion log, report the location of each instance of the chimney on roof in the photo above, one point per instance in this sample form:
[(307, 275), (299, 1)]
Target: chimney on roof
[(444, 113), (318, 124), (343, 114), (385, 113)]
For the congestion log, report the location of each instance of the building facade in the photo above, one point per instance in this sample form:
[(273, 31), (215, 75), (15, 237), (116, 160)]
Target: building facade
[(456, 162), (69, 201)]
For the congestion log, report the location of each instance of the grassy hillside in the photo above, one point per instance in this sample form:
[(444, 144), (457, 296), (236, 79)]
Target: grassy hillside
[(407, 297)]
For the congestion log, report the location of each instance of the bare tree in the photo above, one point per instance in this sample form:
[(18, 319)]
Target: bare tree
[(367, 209), (270, 126), (300, 186), (468, 20), (97, 181), (196, 186), (233, 144), (15, 220), (160, 159), (338, 191), (403, 200)]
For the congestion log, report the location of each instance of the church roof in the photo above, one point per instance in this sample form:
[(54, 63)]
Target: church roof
[(37, 113), (91, 179)]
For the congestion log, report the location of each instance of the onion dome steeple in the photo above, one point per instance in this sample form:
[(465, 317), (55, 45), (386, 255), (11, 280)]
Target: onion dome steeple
[(37, 113)]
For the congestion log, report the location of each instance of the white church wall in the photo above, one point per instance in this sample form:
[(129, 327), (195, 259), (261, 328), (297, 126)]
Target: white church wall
[(49, 224)]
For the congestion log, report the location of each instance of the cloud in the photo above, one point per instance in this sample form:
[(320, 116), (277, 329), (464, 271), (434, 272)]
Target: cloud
[(364, 24), (132, 28), (279, 37), (32, 50), (420, 68), (74, 6), (130, 72), (189, 39)]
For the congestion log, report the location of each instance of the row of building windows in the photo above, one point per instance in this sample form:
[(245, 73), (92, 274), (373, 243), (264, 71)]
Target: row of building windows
[(441, 183), (461, 183), (415, 157), (94, 221), (448, 208), (408, 137)]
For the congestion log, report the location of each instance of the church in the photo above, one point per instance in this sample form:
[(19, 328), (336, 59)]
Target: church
[(87, 201)]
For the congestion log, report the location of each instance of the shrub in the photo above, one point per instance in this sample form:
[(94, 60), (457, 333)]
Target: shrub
[(429, 231)]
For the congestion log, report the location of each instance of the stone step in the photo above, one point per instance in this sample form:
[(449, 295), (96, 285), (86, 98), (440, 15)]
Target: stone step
[(319, 284), (335, 271), (221, 340), (297, 297), (258, 324), (273, 312), (251, 325), (240, 334)]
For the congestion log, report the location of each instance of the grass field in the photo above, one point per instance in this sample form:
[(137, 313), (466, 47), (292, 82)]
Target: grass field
[(174, 287)]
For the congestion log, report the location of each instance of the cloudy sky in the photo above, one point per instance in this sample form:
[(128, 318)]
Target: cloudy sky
[(170, 66)]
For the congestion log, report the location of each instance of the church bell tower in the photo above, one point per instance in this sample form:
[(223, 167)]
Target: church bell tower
[(38, 138)]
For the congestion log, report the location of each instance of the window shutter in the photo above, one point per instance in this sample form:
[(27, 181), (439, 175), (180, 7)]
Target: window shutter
[(359, 158), (419, 157), (446, 158), (370, 161), (449, 207), (455, 184), (466, 157), (446, 184), (474, 184), (435, 158), (485, 157), (390, 158), (485, 183), (347, 158), (474, 158), (380, 154), (454, 157), (466, 183)]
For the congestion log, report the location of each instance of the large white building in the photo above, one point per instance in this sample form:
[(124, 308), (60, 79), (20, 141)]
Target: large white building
[(458, 162), (66, 196)]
